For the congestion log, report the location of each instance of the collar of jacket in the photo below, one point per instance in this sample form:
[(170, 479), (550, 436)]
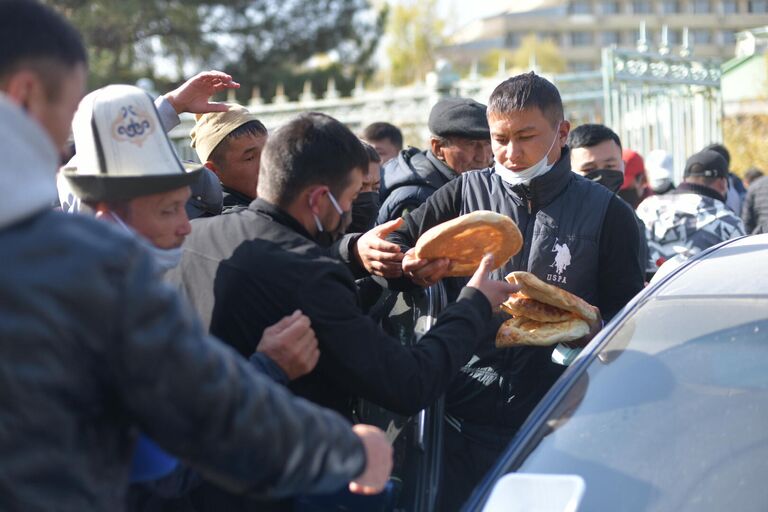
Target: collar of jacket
[(545, 188), (28, 168), (280, 216), (233, 197), (446, 171), (702, 190)]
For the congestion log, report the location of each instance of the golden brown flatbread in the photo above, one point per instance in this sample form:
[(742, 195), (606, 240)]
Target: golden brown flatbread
[(524, 331), (466, 239), (535, 288), (520, 305)]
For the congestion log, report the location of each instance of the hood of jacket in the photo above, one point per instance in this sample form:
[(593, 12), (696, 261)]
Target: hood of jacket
[(413, 167), (28, 167)]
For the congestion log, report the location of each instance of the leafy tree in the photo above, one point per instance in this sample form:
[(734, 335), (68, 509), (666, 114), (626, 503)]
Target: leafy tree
[(745, 136), (415, 31), (546, 54), (256, 39)]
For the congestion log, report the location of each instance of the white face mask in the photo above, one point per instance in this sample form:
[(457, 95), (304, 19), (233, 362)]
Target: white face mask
[(165, 259), (538, 169)]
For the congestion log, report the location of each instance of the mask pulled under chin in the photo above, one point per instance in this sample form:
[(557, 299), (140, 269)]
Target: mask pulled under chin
[(164, 259), (609, 178), (525, 176)]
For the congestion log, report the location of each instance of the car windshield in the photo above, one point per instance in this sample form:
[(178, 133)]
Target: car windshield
[(671, 415)]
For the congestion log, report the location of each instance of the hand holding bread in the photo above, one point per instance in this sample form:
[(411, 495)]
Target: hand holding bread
[(545, 315)]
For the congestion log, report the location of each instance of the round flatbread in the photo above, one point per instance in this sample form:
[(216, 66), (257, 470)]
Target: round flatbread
[(524, 331), (520, 305), (466, 239), (535, 288)]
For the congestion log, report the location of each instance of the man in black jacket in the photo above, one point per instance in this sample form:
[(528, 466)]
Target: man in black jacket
[(460, 142), (92, 347), (596, 155), (244, 270), (577, 236)]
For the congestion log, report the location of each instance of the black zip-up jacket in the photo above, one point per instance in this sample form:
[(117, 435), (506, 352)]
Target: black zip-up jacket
[(500, 386), (246, 270)]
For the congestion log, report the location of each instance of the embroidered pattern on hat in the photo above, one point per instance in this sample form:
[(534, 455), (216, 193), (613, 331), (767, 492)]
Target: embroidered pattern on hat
[(132, 125)]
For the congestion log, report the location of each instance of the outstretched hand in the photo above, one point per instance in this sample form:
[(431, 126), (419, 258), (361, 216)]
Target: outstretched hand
[(495, 291), (378, 256), (194, 95)]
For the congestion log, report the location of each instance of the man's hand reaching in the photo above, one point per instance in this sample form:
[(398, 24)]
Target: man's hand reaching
[(194, 95)]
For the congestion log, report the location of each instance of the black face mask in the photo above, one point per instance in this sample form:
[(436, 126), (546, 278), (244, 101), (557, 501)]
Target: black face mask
[(364, 212), (609, 178)]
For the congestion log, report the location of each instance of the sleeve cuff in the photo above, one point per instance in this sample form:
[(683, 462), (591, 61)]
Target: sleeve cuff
[(266, 366), (475, 296), (168, 116)]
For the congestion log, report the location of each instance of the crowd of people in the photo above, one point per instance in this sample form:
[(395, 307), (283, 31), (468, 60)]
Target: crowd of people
[(193, 336)]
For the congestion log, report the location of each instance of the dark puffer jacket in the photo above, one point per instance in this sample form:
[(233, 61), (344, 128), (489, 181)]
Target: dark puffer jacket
[(408, 180)]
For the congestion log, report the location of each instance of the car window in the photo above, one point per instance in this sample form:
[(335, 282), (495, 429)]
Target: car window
[(671, 414)]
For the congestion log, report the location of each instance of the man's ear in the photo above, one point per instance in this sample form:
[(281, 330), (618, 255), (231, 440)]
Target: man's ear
[(25, 89), (437, 148), (210, 164), (563, 131), (314, 194)]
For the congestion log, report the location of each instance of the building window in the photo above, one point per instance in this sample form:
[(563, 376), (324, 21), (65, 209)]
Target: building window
[(701, 7), (730, 7), (549, 36), (609, 8), (729, 37), (512, 40), (579, 67), (610, 37), (673, 37), (581, 38), (580, 7), (701, 36), (641, 7), (758, 6), (670, 7)]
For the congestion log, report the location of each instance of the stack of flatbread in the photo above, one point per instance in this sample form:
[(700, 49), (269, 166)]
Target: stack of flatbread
[(543, 314), (466, 239)]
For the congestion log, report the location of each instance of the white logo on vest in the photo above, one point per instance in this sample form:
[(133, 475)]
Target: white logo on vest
[(562, 261)]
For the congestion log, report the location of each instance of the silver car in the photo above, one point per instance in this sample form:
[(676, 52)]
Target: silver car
[(667, 410)]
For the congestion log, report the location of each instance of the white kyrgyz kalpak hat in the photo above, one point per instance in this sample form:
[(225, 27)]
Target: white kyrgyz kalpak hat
[(122, 150)]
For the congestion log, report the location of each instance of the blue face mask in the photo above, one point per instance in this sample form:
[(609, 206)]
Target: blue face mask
[(165, 259)]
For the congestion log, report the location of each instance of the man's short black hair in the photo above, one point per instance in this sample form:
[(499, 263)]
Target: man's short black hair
[(35, 36), (382, 131), (589, 135), (254, 127), (752, 174), (310, 149), (722, 150), (373, 156), (524, 92)]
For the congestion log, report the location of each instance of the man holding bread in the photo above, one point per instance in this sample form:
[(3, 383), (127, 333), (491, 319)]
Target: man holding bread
[(243, 271), (577, 237)]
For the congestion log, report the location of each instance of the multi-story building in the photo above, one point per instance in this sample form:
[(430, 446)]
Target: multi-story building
[(580, 28)]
